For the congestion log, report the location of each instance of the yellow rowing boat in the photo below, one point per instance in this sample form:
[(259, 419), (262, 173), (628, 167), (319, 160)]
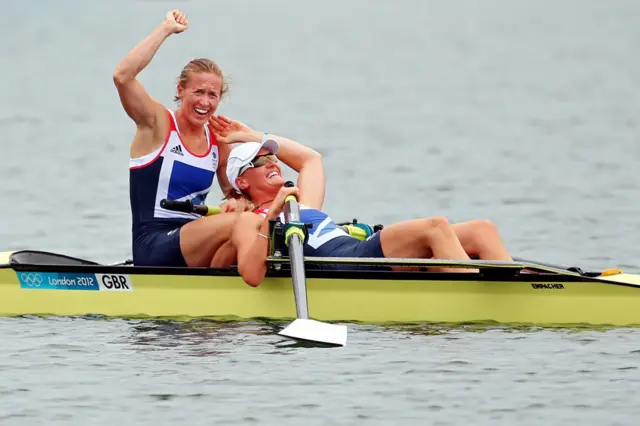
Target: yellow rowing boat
[(42, 283)]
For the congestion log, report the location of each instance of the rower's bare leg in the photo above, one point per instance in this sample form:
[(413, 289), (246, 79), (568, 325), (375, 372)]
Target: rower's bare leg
[(481, 238), (225, 256), (201, 239), (423, 239)]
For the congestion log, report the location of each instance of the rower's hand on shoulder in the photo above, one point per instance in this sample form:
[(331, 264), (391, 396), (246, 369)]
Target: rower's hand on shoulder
[(236, 205), (176, 21), (278, 203), (231, 131)]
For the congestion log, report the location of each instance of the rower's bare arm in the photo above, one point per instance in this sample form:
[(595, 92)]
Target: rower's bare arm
[(137, 103), (226, 188), (304, 160), (252, 248), (308, 163), (311, 182)]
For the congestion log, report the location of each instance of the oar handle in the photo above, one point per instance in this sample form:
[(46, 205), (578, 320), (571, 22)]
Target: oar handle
[(292, 226), (188, 207), (290, 198)]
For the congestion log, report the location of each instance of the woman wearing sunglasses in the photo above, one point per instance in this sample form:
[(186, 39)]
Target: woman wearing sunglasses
[(254, 171)]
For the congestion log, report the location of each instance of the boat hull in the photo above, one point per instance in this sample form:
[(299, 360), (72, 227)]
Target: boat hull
[(366, 297)]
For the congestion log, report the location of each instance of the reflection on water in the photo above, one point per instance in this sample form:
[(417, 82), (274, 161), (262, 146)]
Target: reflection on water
[(204, 337)]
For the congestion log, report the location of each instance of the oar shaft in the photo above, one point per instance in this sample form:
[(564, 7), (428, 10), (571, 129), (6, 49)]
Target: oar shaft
[(296, 256), (298, 276), (304, 328)]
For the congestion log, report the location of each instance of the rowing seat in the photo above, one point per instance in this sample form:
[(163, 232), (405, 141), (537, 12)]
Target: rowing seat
[(35, 257)]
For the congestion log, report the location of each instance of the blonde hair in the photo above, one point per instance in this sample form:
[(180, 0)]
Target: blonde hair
[(201, 65)]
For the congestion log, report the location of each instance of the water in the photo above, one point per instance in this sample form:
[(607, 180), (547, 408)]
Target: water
[(523, 113)]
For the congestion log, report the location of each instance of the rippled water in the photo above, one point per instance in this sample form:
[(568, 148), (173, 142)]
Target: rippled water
[(525, 113)]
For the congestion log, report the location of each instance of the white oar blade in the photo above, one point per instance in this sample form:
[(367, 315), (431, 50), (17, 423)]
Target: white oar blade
[(315, 331)]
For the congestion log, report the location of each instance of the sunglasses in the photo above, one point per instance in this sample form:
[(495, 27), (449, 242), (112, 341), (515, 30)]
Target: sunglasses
[(258, 162)]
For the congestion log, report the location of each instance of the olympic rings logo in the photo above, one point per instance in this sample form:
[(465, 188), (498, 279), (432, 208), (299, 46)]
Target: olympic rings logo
[(33, 279)]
